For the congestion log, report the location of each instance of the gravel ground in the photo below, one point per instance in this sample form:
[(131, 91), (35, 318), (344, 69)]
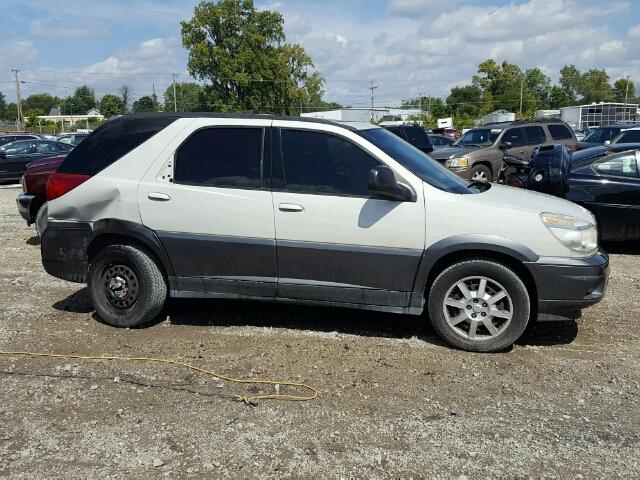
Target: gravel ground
[(394, 401)]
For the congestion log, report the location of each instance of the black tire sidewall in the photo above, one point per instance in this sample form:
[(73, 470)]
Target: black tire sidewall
[(145, 307), (491, 269)]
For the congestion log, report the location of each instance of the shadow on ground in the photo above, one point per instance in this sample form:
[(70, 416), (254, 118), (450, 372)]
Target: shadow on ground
[(623, 248), (35, 240), (232, 313)]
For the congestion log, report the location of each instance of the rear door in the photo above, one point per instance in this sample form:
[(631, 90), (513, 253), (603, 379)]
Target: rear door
[(535, 136), (334, 242), (516, 137), (211, 208)]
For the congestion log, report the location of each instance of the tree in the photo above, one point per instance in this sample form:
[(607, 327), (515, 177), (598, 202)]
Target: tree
[(594, 87), (144, 104), (124, 91), (624, 90), (465, 100), (41, 102), (188, 97), (3, 106), (83, 100), (539, 85), (558, 98), (570, 82), (241, 52), (32, 118), (111, 105)]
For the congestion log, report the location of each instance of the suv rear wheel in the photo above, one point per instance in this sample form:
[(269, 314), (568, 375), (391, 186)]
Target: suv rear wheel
[(481, 173), (126, 286), (479, 305)]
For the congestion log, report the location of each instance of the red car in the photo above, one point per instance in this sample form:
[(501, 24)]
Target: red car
[(34, 187)]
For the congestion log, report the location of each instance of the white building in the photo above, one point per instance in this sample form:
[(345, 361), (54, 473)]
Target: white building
[(70, 120), (592, 115), (547, 113), (361, 114), (497, 117)]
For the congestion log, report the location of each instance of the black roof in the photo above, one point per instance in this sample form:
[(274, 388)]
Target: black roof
[(259, 116), (522, 122)]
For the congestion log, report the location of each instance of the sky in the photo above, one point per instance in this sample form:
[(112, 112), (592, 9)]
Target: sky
[(406, 47)]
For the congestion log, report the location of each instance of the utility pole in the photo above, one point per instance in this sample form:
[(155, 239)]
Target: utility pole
[(155, 98), (429, 105), (521, 90), (175, 102), (18, 100), (626, 98), (372, 87)]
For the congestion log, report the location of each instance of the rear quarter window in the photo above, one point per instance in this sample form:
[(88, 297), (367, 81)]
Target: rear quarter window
[(560, 132), (110, 142)]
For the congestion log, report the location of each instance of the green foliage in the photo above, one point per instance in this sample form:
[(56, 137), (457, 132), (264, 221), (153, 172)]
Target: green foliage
[(3, 106), (32, 118), (83, 100), (623, 90), (12, 112), (41, 102), (111, 105), (465, 100), (241, 52), (595, 87), (188, 96), (145, 104)]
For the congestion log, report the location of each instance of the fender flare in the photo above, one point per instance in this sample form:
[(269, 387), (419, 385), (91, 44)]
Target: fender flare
[(462, 243)]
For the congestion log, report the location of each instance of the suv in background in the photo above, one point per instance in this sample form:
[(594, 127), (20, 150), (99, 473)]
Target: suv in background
[(290, 209), (477, 154), (604, 135), (440, 141), (414, 134), (628, 135), (72, 138)]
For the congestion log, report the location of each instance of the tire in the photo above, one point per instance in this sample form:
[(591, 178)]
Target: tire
[(454, 322), (482, 173), (126, 286)]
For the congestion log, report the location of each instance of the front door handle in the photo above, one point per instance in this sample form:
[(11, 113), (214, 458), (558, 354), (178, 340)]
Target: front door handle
[(158, 197), (290, 207)]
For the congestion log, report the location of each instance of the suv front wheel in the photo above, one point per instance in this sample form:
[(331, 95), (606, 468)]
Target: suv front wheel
[(126, 286), (481, 173), (479, 305)]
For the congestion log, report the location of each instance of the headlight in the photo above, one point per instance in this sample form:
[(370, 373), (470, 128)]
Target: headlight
[(578, 235), (460, 162)]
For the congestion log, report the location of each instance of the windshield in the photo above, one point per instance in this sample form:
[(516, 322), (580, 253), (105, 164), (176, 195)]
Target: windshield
[(601, 135), (628, 136), (417, 162), (480, 137)]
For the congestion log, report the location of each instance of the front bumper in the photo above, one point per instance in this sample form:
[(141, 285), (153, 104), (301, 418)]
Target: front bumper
[(28, 207), (567, 285)]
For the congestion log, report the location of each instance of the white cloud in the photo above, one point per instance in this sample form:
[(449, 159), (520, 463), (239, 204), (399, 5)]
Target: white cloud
[(44, 29), (419, 8)]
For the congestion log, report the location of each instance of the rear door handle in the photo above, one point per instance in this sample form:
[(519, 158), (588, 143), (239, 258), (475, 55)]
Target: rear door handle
[(158, 197), (290, 207)]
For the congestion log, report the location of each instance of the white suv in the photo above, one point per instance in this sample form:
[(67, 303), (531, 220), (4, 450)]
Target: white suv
[(310, 211)]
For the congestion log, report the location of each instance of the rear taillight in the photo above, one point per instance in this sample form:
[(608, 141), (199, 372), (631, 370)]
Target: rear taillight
[(61, 183)]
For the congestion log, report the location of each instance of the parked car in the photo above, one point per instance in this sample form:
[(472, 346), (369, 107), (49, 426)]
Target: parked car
[(414, 134), (629, 135), (603, 135), (477, 154), (602, 179), (440, 141), (13, 137), (447, 132), (182, 205), (15, 156), (72, 138), (34, 188), (580, 134)]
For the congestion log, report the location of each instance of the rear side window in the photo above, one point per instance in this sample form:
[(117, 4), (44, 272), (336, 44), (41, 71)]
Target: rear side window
[(621, 165), (45, 147), (630, 136), (560, 132), (515, 136), (316, 162), (535, 135), (221, 157), (111, 141), (417, 137)]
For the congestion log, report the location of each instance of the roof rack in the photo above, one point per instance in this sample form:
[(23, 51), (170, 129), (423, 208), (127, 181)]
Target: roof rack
[(521, 122)]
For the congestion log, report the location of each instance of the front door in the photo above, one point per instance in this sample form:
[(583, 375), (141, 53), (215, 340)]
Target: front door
[(15, 164), (335, 242), (210, 208)]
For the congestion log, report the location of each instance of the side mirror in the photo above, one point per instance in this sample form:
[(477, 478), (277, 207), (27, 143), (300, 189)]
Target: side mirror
[(607, 142), (505, 146), (383, 184)]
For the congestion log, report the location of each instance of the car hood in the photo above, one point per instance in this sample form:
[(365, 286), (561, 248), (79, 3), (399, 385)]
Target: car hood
[(451, 152), (518, 199), (52, 161)]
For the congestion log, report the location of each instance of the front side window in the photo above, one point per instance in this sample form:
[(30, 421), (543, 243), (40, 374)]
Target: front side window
[(629, 136), (479, 137), (622, 165), (19, 148), (515, 136), (64, 147), (317, 162), (221, 157), (561, 132), (535, 135), (46, 147)]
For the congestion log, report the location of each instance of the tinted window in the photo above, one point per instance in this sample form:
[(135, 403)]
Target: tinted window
[(316, 162), (535, 135), (221, 157), (480, 137), (417, 162), (395, 131), (46, 147), (111, 141), (630, 136), (515, 136), (417, 137), (5, 140), (63, 147), (560, 132), (621, 165), (18, 148), (65, 139)]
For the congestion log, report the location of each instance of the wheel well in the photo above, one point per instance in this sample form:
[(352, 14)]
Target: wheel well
[(486, 164), (106, 239), (507, 260)]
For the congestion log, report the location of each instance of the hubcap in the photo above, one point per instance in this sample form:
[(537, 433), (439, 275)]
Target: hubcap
[(478, 308), (121, 286), (480, 175)]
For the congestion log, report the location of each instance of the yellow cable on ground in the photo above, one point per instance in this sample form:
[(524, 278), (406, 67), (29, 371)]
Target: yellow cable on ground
[(249, 400)]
